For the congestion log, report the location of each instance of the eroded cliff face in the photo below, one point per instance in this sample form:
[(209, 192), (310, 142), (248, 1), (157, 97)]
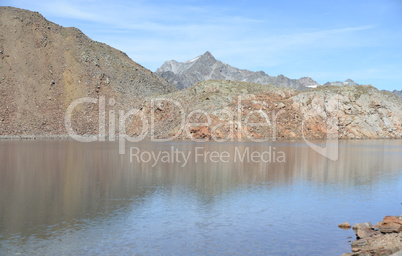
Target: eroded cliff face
[(361, 111), (44, 67), (216, 110)]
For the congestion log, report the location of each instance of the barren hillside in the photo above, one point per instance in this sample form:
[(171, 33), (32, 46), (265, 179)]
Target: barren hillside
[(229, 109), (44, 67)]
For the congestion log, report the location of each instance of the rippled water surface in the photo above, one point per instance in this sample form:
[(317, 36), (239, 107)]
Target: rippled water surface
[(72, 198)]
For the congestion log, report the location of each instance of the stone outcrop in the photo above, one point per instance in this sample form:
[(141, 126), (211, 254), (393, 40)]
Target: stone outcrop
[(206, 67), (345, 225), (384, 238), (347, 112), (390, 224), (366, 225)]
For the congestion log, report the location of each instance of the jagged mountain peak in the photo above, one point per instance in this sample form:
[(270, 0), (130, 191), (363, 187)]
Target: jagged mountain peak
[(339, 83), (205, 67), (179, 67), (206, 59), (208, 55)]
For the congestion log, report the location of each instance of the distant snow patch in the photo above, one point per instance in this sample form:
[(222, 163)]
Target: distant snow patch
[(195, 59)]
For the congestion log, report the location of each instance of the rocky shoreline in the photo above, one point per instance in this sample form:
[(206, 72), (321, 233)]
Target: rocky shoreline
[(35, 137), (381, 239), (68, 137)]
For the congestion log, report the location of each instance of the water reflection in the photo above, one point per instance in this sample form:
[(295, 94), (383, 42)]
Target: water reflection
[(48, 181), (48, 186)]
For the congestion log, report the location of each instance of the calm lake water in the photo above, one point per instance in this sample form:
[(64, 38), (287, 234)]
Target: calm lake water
[(72, 198)]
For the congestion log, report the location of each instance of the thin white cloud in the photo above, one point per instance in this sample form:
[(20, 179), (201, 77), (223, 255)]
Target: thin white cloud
[(65, 10), (186, 31)]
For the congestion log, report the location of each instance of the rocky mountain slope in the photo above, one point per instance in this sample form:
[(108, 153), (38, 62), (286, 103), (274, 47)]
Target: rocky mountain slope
[(338, 83), (396, 92), (399, 93), (44, 67), (206, 67), (340, 111)]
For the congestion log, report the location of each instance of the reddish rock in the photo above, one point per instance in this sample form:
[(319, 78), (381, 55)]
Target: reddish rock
[(391, 224), (200, 132), (391, 219), (345, 225), (382, 239)]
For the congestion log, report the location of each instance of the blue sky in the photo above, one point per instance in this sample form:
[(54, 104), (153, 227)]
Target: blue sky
[(326, 40)]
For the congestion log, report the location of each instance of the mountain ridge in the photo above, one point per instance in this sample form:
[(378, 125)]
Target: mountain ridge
[(399, 93), (45, 67), (206, 67)]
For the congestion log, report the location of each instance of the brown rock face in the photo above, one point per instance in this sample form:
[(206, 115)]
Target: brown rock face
[(345, 225), (385, 241), (365, 232), (391, 224), (343, 112), (44, 67), (362, 225)]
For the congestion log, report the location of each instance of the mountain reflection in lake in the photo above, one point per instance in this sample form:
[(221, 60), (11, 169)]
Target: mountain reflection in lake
[(71, 198)]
